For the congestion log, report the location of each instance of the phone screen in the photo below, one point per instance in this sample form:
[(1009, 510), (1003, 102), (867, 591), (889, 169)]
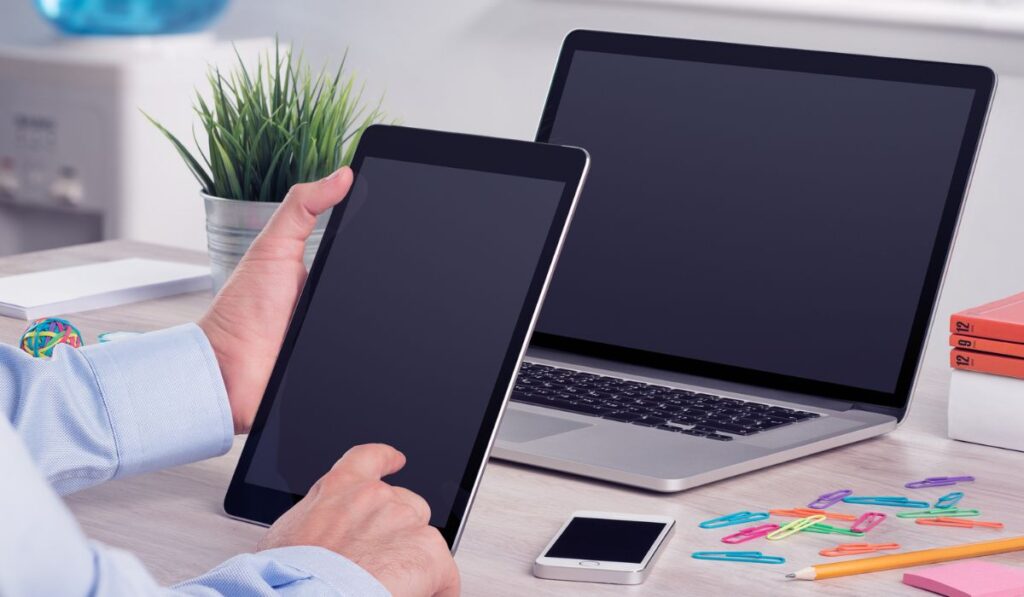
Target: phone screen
[(606, 540)]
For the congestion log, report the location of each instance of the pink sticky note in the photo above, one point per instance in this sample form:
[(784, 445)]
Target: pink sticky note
[(971, 578)]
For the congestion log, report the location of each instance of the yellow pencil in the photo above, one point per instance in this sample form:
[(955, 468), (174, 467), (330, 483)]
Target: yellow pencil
[(908, 559)]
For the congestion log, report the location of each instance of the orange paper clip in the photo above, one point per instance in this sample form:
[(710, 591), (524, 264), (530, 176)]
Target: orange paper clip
[(804, 512), (852, 549), (959, 523)]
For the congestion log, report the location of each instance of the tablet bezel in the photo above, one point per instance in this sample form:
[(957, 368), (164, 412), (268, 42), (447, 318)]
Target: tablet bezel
[(568, 165), (981, 80)]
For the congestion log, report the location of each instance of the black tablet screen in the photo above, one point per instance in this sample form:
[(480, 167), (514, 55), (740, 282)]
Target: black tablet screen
[(409, 325)]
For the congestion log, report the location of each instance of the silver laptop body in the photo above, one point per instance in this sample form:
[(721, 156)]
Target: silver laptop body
[(673, 456)]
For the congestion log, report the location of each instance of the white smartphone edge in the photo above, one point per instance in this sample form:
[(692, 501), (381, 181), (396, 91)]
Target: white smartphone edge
[(624, 573)]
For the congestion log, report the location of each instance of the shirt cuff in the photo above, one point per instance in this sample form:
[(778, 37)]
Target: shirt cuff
[(165, 398), (337, 572)]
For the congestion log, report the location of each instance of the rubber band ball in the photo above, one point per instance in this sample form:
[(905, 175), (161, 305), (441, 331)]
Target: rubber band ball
[(45, 334)]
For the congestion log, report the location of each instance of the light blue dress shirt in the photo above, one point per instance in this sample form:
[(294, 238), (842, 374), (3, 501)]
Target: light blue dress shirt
[(108, 411)]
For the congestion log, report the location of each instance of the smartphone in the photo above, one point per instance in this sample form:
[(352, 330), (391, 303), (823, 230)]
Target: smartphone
[(605, 547)]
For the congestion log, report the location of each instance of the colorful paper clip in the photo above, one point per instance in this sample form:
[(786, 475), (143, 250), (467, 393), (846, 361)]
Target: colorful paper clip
[(959, 523), (754, 557), (867, 521), (794, 527), (734, 518), (938, 482), (830, 499), (852, 549), (804, 512), (940, 512), (894, 501), (749, 533), (949, 500), (828, 529)]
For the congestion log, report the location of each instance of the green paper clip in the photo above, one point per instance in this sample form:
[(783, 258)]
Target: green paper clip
[(831, 530), (939, 512), (753, 557)]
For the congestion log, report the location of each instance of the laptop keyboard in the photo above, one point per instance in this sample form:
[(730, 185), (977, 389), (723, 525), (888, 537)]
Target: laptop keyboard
[(661, 407)]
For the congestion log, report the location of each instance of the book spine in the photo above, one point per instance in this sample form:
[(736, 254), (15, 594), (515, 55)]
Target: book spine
[(968, 325), (986, 363), (1010, 349)]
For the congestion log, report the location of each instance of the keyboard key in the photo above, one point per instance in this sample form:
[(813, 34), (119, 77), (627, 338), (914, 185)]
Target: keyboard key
[(718, 437), (727, 427), (621, 416), (585, 409)]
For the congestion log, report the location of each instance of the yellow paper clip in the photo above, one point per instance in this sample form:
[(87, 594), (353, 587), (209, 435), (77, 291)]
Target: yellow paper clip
[(794, 527), (804, 512)]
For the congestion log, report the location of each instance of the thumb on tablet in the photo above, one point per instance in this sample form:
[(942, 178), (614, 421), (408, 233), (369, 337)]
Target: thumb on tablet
[(372, 460), (296, 217)]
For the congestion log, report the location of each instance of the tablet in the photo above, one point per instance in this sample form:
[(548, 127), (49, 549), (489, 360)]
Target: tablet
[(414, 319)]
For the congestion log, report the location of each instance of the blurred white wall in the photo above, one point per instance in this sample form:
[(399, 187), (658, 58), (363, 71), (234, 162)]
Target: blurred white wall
[(484, 65)]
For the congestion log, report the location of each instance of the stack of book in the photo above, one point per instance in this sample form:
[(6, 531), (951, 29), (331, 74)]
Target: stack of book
[(986, 393)]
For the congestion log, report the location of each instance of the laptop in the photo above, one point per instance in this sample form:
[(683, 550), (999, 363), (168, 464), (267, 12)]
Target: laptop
[(755, 261)]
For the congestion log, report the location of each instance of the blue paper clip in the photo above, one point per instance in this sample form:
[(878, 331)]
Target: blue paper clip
[(894, 501), (753, 557), (949, 500), (736, 518), (938, 482)]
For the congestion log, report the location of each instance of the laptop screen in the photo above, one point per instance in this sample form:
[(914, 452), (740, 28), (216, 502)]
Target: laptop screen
[(785, 227)]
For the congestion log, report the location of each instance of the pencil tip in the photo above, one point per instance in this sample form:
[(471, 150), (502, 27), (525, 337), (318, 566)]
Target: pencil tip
[(791, 575)]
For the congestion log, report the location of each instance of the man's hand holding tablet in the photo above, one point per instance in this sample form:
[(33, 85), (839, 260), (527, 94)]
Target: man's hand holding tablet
[(350, 510), (382, 528), (459, 241)]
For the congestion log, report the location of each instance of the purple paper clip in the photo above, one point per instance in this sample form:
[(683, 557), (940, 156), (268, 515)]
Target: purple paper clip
[(867, 521), (830, 499), (938, 482), (750, 533)]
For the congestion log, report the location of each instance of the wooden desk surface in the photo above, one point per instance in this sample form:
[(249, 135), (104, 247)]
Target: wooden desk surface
[(173, 519)]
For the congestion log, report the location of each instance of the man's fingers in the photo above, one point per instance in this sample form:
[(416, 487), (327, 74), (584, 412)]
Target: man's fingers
[(372, 461), (296, 217), (418, 504)]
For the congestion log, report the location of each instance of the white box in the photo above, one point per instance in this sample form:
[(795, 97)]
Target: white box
[(986, 409)]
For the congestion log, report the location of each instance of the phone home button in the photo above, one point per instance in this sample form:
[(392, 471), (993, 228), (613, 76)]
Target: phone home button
[(590, 563)]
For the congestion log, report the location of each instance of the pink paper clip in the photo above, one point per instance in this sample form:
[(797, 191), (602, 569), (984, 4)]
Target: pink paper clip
[(750, 533), (867, 521), (830, 499)]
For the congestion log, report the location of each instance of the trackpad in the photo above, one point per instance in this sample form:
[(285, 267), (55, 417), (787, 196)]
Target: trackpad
[(518, 426)]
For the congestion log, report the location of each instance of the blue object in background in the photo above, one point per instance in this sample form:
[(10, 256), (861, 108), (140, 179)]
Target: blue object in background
[(130, 17)]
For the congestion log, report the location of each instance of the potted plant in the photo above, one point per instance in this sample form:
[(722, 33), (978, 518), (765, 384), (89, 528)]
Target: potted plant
[(266, 129)]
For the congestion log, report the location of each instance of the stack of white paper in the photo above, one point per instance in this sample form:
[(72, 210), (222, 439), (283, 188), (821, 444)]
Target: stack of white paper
[(97, 285), (986, 409)]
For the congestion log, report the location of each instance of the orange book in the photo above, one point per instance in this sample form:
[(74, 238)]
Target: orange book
[(999, 320), (1009, 349), (986, 363)]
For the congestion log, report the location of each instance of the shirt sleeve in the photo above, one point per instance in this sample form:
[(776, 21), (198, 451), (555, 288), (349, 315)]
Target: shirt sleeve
[(109, 410), (44, 552)]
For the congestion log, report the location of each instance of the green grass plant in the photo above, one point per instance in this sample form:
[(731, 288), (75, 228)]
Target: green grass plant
[(270, 127)]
